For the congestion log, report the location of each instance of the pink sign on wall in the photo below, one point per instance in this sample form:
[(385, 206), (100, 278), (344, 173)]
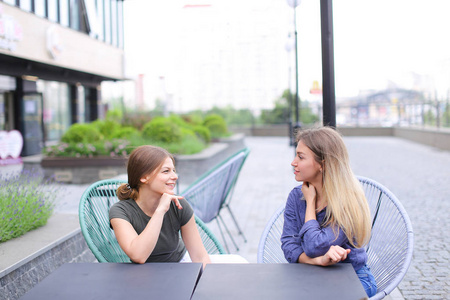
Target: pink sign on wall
[(11, 143)]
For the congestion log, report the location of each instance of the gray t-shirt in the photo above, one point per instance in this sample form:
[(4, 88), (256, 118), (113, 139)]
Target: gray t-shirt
[(170, 246)]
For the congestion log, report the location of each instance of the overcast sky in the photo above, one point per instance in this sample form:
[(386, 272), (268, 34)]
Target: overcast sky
[(405, 42)]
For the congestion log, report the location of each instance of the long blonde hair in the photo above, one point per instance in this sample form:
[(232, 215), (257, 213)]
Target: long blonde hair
[(347, 204)]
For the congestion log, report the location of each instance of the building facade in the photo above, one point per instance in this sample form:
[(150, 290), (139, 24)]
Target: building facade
[(54, 55)]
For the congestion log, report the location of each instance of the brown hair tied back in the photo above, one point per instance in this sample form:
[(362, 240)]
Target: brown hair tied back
[(124, 191), (143, 161)]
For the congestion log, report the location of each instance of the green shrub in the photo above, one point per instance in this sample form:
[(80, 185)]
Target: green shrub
[(26, 203), (187, 132), (136, 120), (109, 138), (179, 121), (162, 130), (118, 147), (81, 133), (107, 128), (188, 145), (83, 150), (115, 115), (193, 118), (203, 133), (74, 150), (113, 148), (125, 132), (216, 125)]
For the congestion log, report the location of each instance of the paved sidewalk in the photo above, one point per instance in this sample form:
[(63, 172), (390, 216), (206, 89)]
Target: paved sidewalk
[(418, 175)]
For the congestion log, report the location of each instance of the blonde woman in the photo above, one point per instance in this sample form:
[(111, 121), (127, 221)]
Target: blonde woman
[(149, 218), (327, 218)]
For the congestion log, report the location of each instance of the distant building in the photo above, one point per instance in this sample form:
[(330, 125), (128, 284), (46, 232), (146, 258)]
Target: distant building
[(54, 55), (222, 53), (236, 59), (383, 108)]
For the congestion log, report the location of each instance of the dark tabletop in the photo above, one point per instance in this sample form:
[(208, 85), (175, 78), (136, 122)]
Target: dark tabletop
[(278, 281), (83, 281)]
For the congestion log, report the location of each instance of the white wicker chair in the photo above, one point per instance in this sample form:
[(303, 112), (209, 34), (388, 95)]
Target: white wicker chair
[(390, 248)]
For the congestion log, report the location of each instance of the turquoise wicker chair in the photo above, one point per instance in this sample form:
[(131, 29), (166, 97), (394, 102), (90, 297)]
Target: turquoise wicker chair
[(213, 191), (94, 222), (390, 248)]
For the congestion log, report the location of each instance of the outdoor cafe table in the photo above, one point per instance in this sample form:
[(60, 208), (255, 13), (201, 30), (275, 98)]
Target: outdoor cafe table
[(278, 281), (83, 281)]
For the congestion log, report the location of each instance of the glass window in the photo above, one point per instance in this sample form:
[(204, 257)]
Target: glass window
[(81, 104), (12, 2), (64, 12), (52, 10), (108, 21), (56, 113), (39, 8), (92, 18), (74, 14), (120, 23), (25, 5), (101, 20), (2, 112), (114, 22)]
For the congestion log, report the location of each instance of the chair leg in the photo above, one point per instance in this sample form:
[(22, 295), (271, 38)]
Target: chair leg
[(229, 233), (236, 223), (223, 237)]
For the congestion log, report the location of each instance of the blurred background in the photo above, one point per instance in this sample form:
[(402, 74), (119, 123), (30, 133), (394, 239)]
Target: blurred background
[(81, 79), (71, 61)]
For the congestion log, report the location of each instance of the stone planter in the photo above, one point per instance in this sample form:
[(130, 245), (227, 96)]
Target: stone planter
[(189, 167), (79, 170)]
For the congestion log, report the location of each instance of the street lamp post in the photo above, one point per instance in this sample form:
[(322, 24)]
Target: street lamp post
[(289, 46), (294, 4), (329, 97)]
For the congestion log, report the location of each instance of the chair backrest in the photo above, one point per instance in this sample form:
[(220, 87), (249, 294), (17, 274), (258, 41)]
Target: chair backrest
[(94, 222), (389, 250), (208, 193), (269, 248)]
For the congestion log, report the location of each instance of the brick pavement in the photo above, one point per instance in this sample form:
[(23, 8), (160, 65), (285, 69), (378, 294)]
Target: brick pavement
[(420, 177)]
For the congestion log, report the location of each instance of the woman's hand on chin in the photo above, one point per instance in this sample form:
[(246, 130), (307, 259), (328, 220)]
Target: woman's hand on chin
[(164, 202)]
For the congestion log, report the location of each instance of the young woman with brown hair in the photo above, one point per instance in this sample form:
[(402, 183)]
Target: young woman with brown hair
[(149, 218)]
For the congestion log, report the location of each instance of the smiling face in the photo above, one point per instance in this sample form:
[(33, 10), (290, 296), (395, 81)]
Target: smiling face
[(164, 180), (306, 168)]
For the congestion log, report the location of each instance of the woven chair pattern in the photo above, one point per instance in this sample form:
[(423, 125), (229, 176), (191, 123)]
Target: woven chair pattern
[(389, 250), (208, 193), (213, 191), (94, 222)]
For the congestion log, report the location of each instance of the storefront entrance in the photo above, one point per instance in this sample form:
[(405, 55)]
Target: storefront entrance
[(6, 111), (32, 125)]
